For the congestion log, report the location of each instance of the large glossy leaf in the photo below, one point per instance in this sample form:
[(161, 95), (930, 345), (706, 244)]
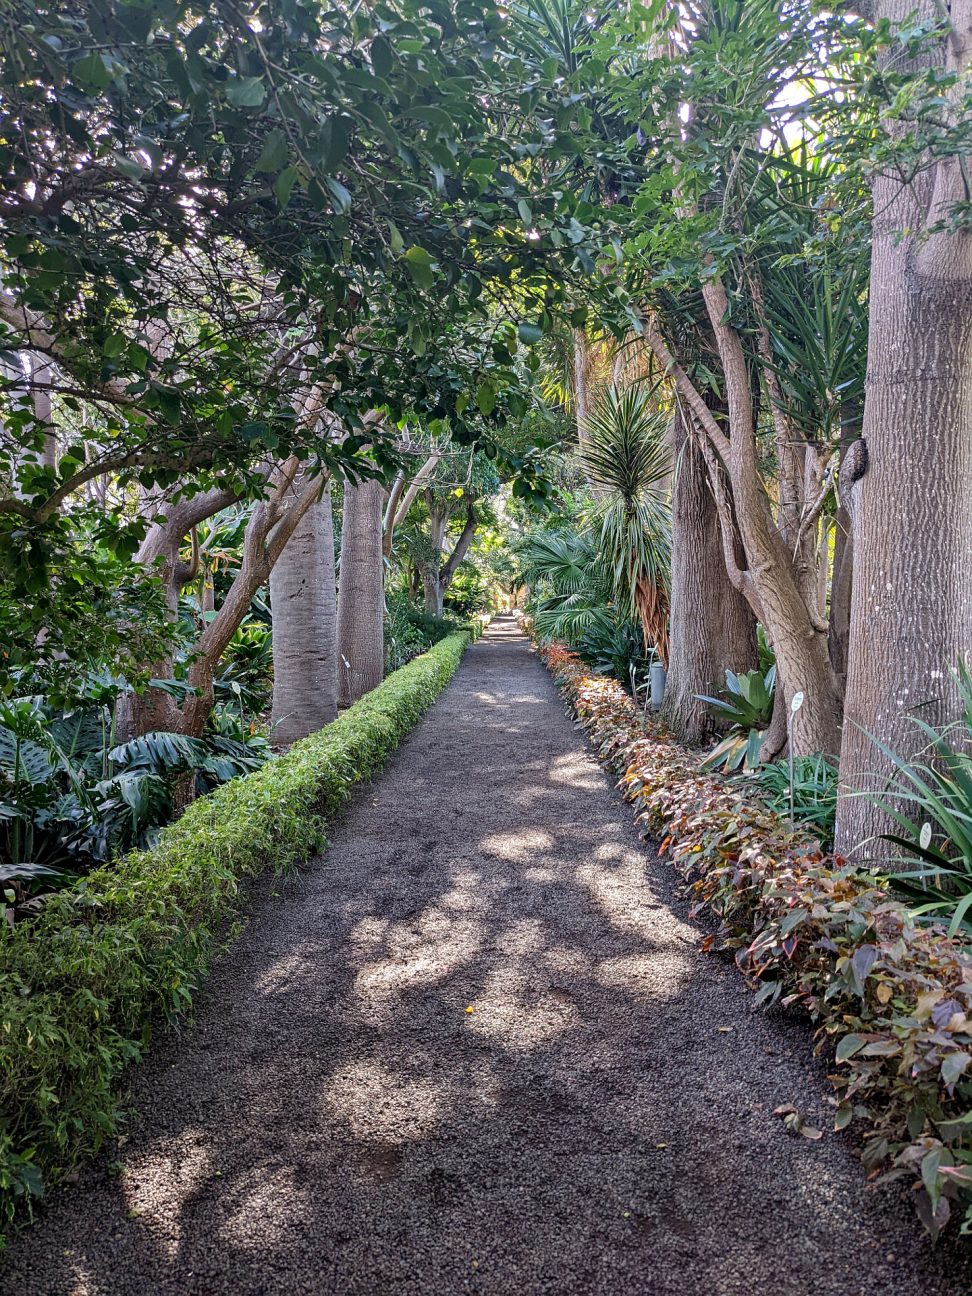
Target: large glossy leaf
[(22, 760)]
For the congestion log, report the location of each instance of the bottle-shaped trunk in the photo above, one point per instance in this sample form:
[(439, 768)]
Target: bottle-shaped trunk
[(911, 604), (304, 604), (711, 627), (361, 597)]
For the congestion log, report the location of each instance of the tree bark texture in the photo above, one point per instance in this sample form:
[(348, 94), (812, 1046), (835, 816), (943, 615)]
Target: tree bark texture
[(911, 606), (431, 569), (303, 600), (361, 596), (781, 594), (436, 575), (711, 627)]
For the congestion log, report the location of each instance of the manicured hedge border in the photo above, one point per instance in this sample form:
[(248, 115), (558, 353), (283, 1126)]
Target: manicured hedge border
[(81, 986), (893, 1000)]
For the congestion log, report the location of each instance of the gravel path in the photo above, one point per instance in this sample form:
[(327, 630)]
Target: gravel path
[(473, 1048)]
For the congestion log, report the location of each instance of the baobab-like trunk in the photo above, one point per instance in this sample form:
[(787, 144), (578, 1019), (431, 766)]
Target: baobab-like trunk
[(270, 528), (303, 600), (581, 381), (361, 596), (911, 607), (711, 628)]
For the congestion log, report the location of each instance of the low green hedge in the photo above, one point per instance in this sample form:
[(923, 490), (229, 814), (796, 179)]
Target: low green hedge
[(81, 986)]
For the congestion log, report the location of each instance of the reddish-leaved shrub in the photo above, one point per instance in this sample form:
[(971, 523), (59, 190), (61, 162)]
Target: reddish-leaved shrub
[(892, 999)]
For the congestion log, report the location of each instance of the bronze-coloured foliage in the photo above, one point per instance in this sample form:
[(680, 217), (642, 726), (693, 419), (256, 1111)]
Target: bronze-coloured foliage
[(892, 999)]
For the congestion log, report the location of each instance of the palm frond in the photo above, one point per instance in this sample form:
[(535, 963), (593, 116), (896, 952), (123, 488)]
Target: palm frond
[(627, 456)]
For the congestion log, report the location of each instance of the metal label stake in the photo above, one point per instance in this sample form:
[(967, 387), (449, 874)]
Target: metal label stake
[(796, 702)]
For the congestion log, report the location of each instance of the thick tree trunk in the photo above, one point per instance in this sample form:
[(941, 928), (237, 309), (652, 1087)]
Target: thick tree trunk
[(437, 576), (432, 567), (911, 607), (361, 598), (580, 384), (303, 600), (268, 531), (711, 627), (842, 578), (434, 593)]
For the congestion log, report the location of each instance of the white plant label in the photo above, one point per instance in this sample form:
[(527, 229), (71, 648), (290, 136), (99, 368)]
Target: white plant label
[(797, 702), (924, 837)]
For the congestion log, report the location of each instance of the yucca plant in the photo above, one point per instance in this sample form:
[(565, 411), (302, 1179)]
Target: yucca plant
[(931, 802), (627, 458)]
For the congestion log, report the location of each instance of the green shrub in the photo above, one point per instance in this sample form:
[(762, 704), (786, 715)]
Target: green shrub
[(410, 631), (931, 802), (617, 648), (81, 985)]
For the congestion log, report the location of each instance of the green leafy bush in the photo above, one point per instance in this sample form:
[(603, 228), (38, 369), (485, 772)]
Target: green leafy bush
[(617, 648), (245, 675), (82, 984), (70, 799), (931, 802), (469, 592), (410, 631)]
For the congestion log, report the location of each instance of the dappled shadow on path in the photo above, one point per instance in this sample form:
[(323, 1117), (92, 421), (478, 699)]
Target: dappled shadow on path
[(474, 1049)]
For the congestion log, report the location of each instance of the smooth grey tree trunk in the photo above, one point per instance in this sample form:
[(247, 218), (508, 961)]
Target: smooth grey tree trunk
[(911, 605), (303, 599), (361, 596), (711, 627)]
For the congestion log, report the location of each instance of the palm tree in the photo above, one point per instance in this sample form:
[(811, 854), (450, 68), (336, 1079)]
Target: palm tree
[(565, 573), (627, 457)]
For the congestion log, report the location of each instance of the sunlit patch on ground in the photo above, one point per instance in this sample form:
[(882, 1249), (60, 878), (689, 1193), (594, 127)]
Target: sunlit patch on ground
[(160, 1184), (378, 1103), (520, 846)]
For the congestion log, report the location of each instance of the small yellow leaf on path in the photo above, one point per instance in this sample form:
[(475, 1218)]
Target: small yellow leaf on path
[(661, 1145), (470, 1008), (884, 993), (724, 1030)]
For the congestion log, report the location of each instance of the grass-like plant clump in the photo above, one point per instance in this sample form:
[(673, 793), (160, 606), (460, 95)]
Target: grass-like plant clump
[(82, 985)]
